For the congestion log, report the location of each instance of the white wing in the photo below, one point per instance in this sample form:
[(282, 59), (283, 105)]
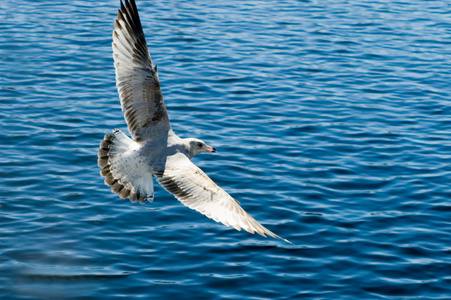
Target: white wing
[(136, 77), (195, 189)]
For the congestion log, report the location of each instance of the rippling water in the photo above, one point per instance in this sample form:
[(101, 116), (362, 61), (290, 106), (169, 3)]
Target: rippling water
[(332, 124)]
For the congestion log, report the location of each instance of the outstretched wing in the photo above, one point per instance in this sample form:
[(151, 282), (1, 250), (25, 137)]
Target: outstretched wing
[(195, 189), (136, 77)]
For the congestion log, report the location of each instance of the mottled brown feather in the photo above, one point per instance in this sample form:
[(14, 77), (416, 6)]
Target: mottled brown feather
[(136, 77)]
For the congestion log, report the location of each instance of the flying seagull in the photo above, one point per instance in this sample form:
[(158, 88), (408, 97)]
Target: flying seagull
[(155, 150)]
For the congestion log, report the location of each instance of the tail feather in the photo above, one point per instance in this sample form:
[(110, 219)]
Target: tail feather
[(123, 168)]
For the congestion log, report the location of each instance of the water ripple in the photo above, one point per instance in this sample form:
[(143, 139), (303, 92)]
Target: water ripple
[(332, 129)]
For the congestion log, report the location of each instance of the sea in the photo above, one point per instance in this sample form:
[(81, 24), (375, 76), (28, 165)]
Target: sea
[(332, 124)]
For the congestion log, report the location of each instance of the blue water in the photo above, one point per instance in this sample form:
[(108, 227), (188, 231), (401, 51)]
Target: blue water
[(332, 124)]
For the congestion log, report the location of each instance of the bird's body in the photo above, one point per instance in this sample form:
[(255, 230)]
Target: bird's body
[(155, 150)]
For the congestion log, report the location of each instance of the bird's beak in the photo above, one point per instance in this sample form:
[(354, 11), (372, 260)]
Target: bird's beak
[(210, 149)]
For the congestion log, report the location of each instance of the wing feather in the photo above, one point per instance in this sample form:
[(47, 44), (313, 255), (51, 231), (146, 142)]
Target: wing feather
[(137, 78), (191, 186)]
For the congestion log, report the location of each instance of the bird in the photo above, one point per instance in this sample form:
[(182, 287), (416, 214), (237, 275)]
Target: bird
[(154, 150)]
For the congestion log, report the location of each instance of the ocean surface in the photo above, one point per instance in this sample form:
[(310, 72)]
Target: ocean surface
[(332, 121)]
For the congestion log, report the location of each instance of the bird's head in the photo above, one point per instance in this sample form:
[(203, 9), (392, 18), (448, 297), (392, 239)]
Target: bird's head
[(196, 146)]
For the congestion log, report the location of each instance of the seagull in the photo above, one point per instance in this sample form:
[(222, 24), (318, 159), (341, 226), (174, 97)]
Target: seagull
[(129, 164)]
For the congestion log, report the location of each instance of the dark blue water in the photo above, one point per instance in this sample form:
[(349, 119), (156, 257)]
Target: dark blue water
[(332, 124)]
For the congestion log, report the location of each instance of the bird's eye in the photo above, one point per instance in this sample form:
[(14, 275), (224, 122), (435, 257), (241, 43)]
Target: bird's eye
[(199, 145)]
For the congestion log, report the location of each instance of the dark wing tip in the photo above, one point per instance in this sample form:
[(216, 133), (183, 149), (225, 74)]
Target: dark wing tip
[(131, 12)]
